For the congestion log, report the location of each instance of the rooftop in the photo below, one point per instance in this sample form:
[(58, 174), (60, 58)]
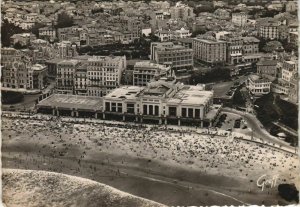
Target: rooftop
[(38, 67), (72, 101), (68, 62), (191, 95), (125, 92), (267, 62), (150, 65)]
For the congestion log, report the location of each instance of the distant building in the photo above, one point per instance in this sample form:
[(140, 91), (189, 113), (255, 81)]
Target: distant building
[(48, 33), (239, 19), (180, 57), (289, 68), (65, 76), (291, 6), (65, 49), (23, 39), (267, 69), (182, 11), (80, 79), (234, 49), (37, 77), (268, 30), (293, 94), (19, 73), (258, 85), (209, 50), (15, 66), (293, 37), (168, 35), (250, 50), (144, 72)]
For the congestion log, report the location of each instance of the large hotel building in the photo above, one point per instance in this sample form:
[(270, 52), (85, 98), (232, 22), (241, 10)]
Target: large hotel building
[(93, 76), (180, 57), (146, 71), (209, 50)]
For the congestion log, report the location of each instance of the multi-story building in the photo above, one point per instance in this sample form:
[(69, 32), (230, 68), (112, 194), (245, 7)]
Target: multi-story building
[(222, 14), (234, 49), (181, 33), (134, 27), (239, 19), (209, 50), (268, 30), (15, 66), (168, 35), (19, 73), (293, 38), (182, 11), (144, 72), (267, 69), (37, 77), (250, 50), (291, 6), (66, 70), (48, 33), (23, 39), (289, 68), (180, 57), (250, 45), (258, 85), (162, 101), (104, 74), (65, 49), (293, 94), (80, 79)]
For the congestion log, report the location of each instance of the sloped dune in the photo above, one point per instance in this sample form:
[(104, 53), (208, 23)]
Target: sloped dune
[(30, 188)]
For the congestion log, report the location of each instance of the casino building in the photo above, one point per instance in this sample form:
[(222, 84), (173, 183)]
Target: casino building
[(160, 102)]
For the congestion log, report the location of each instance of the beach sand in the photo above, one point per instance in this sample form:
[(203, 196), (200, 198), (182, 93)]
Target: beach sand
[(173, 167)]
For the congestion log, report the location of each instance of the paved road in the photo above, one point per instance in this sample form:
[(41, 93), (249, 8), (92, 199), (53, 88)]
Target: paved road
[(258, 130)]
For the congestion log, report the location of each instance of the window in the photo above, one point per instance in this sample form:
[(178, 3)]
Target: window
[(197, 113), (190, 113), (156, 110), (150, 109), (183, 112), (107, 106), (113, 107), (130, 108), (145, 110), (119, 107), (172, 111)]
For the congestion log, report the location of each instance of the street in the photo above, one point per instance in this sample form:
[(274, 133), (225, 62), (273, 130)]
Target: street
[(258, 130)]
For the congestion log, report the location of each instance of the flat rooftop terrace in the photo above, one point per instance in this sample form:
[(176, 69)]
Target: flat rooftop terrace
[(65, 101)]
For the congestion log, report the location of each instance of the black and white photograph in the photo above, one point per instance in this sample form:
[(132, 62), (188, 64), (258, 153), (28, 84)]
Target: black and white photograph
[(149, 103)]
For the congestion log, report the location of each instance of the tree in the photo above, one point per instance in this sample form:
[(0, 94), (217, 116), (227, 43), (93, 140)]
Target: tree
[(269, 13), (18, 46), (238, 99), (36, 27), (198, 32), (11, 97), (204, 8), (271, 46), (64, 20), (8, 30)]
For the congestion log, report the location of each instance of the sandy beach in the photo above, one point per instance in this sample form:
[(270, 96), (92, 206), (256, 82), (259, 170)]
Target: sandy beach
[(178, 166)]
